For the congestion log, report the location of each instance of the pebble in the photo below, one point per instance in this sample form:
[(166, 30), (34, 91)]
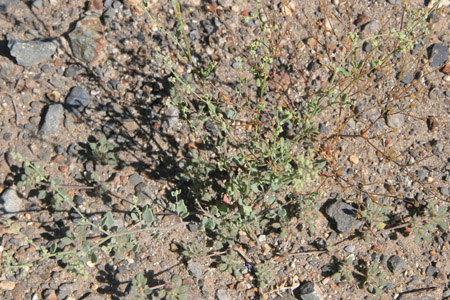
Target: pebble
[(5, 5), (395, 263), (77, 100), (10, 202), (135, 179), (421, 174), (350, 248), (28, 53), (195, 268), (171, 117), (395, 120), (353, 159), (439, 54), (444, 190), (431, 271), (73, 70), (87, 40), (222, 294), (52, 120), (7, 285), (344, 216)]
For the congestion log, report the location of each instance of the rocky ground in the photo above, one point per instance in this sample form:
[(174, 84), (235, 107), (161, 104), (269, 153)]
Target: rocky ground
[(72, 72)]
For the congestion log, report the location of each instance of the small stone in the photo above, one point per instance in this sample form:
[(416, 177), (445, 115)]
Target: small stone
[(444, 190), (171, 117), (395, 263), (10, 202), (432, 123), (195, 268), (28, 53), (372, 27), (367, 46), (406, 78), (361, 19), (135, 179), (77, 100), (446, 69), (210, 127), (193, 227), (431, 271), (87, 40), (343, 216), (7, 285), (350, 248), (52, 120), (54, 96), (323, 128), (108, 15), (439, 55), (37, 4), (73, 70), (222, 294), (421, 174), (395, 120), (353, 159), (5, 5)]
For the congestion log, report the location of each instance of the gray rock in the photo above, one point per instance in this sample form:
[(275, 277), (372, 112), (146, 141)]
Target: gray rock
[(73, 70), (343, 216), (395, 263), (171, 116), (135, 179), (350, 248), (10, 203), (7, 4), (306, 291), (431, 271), (444, 190), (210, 127), (372, 27), (87, 40), (324, 128), (439, 54), (422, 174), (406, 78), (195, 268), (77, 100), (222, 294), (28, 53), (37, 4), (367, 46), (395, 120), (52, 120), (108, 15)]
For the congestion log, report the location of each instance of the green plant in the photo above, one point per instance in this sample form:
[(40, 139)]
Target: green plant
[(84, 238), (176, 290), (139, 287), (232, 263), (103, 152), (375, 278), (424, 226)]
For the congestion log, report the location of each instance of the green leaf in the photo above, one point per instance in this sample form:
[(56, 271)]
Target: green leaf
[(147, 215), (66, 241), (94, 257), (42, 195), (108, 220)]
